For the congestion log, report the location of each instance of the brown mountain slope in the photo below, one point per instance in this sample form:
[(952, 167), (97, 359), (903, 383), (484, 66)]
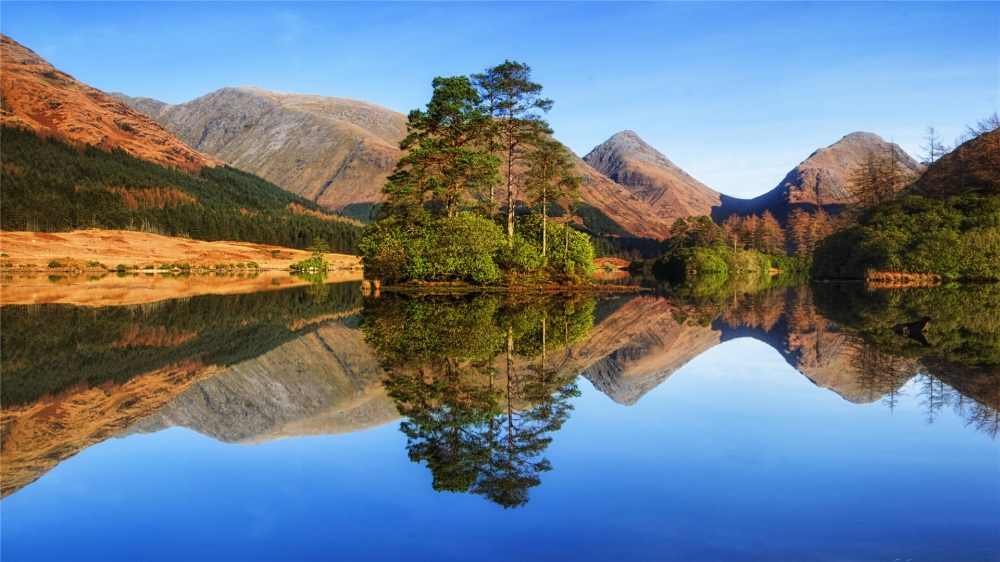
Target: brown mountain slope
[(334, 151), (616, 201), (36, 96), (652, 177), (973, 164), (821, 179)]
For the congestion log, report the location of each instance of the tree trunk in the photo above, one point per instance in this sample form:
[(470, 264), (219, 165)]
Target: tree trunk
[(510, 198), (545, 216)]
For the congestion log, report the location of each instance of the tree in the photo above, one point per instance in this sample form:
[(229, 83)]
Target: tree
[(513, 101), (934, 148), (772, 236), (879, 177), (732, 231), (550, 177), (447, 156)]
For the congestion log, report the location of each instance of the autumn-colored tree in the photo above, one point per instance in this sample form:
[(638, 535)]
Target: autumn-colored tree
[(772, 236), (806, 230), (732, 231), (879, 177)]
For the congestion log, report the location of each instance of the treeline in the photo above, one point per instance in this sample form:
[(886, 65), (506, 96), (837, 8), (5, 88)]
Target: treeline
[(51, 186)]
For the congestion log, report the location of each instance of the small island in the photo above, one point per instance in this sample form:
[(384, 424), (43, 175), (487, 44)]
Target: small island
[(442, 225)]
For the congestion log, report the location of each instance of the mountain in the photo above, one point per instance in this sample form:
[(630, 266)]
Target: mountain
[(334, 151), (820, 180), (43, 99), (668, 190)]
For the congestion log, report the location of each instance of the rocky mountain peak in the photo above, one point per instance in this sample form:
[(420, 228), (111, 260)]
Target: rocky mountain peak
[(652, 177)]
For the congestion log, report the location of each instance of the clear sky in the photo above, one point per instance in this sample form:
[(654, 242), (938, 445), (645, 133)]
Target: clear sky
[(735, 93)]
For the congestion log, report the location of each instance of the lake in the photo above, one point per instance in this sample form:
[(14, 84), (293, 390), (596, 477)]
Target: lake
[(719, 419)]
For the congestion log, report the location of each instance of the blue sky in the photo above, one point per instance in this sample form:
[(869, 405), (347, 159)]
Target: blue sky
[(735, 93)]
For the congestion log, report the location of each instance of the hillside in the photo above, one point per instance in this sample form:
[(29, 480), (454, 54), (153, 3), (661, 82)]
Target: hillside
[(333, 151), (43, 99), (820, 180), (668, 190)]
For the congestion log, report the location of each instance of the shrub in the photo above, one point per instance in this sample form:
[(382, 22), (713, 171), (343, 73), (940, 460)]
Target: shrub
[(310, 264), (121, 268), (56, 264)]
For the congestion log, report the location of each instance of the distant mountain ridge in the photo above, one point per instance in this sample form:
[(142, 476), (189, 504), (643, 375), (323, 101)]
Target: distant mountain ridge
[(335, 151)]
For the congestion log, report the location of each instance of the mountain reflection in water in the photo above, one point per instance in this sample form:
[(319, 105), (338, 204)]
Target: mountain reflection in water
[(483, 382)]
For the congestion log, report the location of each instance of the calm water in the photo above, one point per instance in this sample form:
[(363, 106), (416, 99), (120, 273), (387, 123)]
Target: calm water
[(729, 419)]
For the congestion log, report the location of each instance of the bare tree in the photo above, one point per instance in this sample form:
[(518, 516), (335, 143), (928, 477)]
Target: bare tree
[(934, 148)]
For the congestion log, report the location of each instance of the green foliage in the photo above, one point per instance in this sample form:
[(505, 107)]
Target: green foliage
[(414, 245), (692, 232), (957, 237), (92, 263), (53, 187), (790, 263), (121, 268), (309, 264), (447, 156), (524, 256), (56, 264)]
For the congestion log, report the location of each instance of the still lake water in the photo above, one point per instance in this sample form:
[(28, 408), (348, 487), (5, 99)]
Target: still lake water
[(728, 420)]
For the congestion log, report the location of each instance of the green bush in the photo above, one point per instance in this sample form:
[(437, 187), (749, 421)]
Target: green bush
[(310, 264), (524, 257), (56, 264), (121, 268), (414, 245)]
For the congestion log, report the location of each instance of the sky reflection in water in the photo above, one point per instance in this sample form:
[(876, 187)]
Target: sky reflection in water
[(735, 456)]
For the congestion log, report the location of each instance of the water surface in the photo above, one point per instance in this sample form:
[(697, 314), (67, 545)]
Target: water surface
[(728, 420)]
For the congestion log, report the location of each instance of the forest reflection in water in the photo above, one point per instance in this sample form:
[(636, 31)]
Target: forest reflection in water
[(483, 382)]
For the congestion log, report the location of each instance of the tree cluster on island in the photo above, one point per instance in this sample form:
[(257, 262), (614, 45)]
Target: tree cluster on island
[(479, 138)]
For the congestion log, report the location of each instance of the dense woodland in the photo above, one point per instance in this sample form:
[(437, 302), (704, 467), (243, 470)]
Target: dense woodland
[(51, 186)]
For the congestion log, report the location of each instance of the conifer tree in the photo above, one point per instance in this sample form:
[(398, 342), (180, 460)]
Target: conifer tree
[(549, 177), (513, 101), (447, 155)]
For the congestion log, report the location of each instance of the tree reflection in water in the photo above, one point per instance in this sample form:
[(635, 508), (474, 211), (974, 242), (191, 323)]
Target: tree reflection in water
[(471, 376)]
